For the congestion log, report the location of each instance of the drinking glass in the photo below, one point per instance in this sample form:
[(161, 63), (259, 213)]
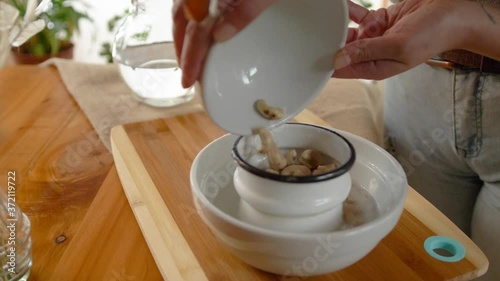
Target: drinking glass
[(15, 240)]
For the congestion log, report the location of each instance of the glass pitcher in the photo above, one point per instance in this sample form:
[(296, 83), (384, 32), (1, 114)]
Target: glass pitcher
[(144, 50)]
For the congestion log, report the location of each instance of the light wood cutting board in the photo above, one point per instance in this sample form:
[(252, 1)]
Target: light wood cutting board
[(153, 160)]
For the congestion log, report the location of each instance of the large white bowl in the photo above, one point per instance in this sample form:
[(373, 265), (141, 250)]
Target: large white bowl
[(284, 57), (286, 253)]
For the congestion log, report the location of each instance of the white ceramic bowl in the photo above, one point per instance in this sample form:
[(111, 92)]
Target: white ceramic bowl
[(284, 57), (288, 202), (304, 254)]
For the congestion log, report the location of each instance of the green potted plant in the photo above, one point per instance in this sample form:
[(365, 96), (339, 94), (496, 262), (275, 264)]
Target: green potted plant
[(62, 21), (15, 29), (112, 24)]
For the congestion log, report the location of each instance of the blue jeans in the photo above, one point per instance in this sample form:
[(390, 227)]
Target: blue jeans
[(444, 128)]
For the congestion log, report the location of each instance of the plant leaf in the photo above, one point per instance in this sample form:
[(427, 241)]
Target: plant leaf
[(41, 7), (8, 15), (14, 31), (38, 49), (29, 15), (53, 41), (31, 29)]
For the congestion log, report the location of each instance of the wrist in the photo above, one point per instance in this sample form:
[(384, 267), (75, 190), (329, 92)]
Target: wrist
[(459, 23), (465, 11), (478, 27)]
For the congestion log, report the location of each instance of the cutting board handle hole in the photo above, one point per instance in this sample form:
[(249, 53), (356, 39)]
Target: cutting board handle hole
[(444, 248), (443, 252)]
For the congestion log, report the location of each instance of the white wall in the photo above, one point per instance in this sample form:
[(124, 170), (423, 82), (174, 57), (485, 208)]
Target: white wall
[(88, 42)]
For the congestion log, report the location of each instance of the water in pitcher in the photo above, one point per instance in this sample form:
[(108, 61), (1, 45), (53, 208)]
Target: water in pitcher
[(156, 82), (144, 50)]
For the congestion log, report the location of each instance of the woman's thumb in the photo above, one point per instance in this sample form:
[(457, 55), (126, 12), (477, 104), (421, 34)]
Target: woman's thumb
[(368, 49)]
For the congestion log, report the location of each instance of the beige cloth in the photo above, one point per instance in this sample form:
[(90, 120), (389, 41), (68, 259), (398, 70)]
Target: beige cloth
[(353, 106), (106, 100)]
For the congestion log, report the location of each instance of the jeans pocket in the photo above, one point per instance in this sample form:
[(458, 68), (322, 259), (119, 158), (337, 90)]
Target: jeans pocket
[(467, 112)]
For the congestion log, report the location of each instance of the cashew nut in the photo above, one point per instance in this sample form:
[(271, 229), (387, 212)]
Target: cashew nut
[(311, 158), (291, 156), (352, 213), (310, 161), (269, 170), (296, 170), (325, 168), (268, 112), (276, 160)]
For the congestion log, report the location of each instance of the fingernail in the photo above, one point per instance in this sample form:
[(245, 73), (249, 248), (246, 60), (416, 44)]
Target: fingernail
[(224, 32), (186, 82), (185, 78), (341, 60)]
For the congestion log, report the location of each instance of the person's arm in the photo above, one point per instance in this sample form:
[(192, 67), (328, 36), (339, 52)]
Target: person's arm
[(387, 42), (393, 40), (482, 23)]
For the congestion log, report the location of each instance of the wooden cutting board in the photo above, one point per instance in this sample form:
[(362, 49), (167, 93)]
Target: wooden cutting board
[(153, 160)]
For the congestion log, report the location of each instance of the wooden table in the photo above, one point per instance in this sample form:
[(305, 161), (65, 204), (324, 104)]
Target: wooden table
[(82, 225)]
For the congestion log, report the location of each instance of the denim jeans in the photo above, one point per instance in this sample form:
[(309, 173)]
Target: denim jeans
[(444, 127)]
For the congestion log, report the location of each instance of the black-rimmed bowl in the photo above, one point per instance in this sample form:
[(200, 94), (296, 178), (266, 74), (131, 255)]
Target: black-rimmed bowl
[(273, 195)]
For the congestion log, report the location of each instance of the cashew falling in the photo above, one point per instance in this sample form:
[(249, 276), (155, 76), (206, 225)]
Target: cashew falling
[(276, 160), (310, 162), (268, 112)]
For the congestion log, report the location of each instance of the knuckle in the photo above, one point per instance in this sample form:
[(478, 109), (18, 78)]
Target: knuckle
[(360, 51), (374, 23), (372, 29)]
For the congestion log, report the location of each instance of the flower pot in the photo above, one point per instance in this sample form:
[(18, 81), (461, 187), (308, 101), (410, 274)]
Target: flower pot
[(20, 58)]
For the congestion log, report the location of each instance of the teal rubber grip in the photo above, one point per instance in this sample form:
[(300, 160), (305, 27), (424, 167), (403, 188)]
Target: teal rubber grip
[(454, 248)]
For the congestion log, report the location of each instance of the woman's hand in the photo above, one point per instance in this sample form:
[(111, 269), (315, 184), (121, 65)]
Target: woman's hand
[(393, 40), (193, 38), (387, 41)]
